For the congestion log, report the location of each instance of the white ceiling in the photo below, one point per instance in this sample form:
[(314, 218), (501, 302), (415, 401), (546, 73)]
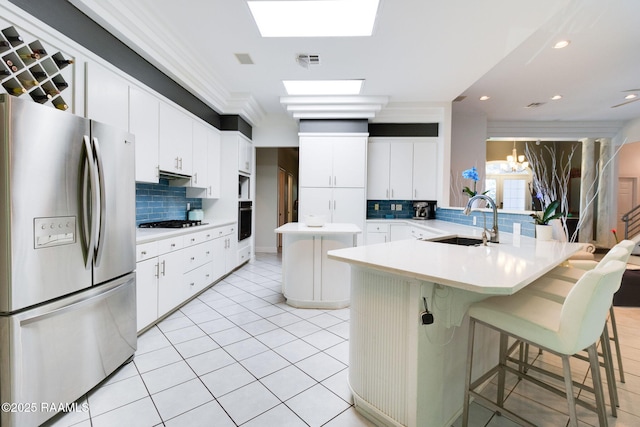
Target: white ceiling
[(422, 52)]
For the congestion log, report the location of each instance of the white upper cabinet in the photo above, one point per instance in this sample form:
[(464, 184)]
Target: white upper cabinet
[(199, 178), (143, 123), (176, 141), (213, 163), (425, 170), (107, 96), (402, 169), (333, 161), (245, 154)]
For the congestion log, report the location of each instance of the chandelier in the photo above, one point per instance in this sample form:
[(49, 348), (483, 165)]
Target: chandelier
[(515, 162)]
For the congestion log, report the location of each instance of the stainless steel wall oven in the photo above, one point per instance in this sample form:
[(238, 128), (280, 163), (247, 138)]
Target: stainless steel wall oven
[(245, 212)]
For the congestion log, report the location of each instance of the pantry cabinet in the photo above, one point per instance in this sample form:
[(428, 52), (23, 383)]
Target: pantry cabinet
[(332, 178)]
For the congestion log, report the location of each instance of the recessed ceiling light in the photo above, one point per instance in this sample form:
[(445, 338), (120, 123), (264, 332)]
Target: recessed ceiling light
[(314, 18), (484, 97), (561, 44), (556, 97), (631, 96), (323, 87)]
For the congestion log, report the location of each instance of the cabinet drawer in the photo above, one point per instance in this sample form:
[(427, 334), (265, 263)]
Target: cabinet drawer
[(377, 227), (169, 245), (197, 255), (145, 251), (244, 255), (198, 237), (223, 231), (197, 279)]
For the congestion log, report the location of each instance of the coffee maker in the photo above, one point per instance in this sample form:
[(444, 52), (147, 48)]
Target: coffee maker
[(424, 209)]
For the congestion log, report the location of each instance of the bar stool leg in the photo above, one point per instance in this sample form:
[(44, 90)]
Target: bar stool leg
[(616, 342), (501, 372), (608, 369), (597, 385), (467, 381), (568, 383)]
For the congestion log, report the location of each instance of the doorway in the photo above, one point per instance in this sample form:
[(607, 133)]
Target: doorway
[(627, 190), (285, 200)]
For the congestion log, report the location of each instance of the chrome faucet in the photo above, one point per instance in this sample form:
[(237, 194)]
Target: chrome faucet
[(493, 233)]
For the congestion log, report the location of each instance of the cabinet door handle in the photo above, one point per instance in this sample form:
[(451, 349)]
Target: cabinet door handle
[(192, 283), (392, 193), (334, 205), (193, 258), (195, 177), (163, 267), (157, 269), (335, 181), (387, 196), (180, 163), (143, 253), (177, 164), (329, 180)]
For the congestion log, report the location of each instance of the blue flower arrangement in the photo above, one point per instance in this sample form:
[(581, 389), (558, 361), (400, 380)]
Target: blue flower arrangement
[(471, 174)]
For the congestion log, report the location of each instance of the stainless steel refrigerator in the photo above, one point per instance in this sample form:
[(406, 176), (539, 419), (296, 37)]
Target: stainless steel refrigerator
[(67, 257)]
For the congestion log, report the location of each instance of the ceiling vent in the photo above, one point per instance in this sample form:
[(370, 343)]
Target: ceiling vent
[(306, 61), (244, 58), (535, 104)]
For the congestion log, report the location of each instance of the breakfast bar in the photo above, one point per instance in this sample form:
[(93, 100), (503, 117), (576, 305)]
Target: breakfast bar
[(408, 325)]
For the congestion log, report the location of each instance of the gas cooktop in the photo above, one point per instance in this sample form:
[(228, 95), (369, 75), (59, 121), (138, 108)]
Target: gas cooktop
[(173, 223)]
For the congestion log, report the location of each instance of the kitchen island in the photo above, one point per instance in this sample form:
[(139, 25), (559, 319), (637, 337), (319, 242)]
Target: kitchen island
[(309, 278), (406, 373)]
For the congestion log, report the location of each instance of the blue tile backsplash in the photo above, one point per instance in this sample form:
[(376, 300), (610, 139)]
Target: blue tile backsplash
[(505, 220), (403, 209), (159, 202)]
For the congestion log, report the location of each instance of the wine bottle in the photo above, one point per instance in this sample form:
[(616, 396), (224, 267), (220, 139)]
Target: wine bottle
[(4, 43), (15, 39), (61, 85), (5, 72), (39, 74), (29, 56), (40, 51), (18, 90), (62, 107), (61, 62), (41, 97), (53, 92), (9, 62), (29, 83)]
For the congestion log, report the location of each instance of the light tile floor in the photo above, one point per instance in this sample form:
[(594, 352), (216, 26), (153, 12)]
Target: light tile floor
[(238, 355)]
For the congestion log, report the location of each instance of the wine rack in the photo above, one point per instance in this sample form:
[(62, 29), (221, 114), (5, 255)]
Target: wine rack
[(31, 69)]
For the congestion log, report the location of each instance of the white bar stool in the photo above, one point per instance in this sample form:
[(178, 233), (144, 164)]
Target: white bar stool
[(558, 290), (563, 329)]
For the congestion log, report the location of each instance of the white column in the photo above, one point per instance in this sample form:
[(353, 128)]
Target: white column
[(606, 199), (587, 189)]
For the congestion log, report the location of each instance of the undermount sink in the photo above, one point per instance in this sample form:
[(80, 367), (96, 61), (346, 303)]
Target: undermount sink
[(457, 240)]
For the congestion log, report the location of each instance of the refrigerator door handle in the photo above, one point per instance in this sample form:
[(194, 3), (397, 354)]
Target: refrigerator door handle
[(89, 212), (102, 204)]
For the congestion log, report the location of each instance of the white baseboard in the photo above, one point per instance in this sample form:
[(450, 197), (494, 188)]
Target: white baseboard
[(267, 249)]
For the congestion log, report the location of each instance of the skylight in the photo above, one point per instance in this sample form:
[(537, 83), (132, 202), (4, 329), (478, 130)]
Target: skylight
[(314, 18), (323, 87)]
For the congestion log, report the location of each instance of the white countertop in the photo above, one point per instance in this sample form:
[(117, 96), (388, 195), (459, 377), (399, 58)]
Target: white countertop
[(499, 268), (144, 235), (328, 228)]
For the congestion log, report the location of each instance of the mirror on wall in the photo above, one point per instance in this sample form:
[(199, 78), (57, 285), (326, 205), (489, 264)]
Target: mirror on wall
[(508, 174)]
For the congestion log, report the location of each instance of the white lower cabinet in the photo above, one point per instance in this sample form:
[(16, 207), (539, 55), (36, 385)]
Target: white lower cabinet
[(173, 270), (377, 233)]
